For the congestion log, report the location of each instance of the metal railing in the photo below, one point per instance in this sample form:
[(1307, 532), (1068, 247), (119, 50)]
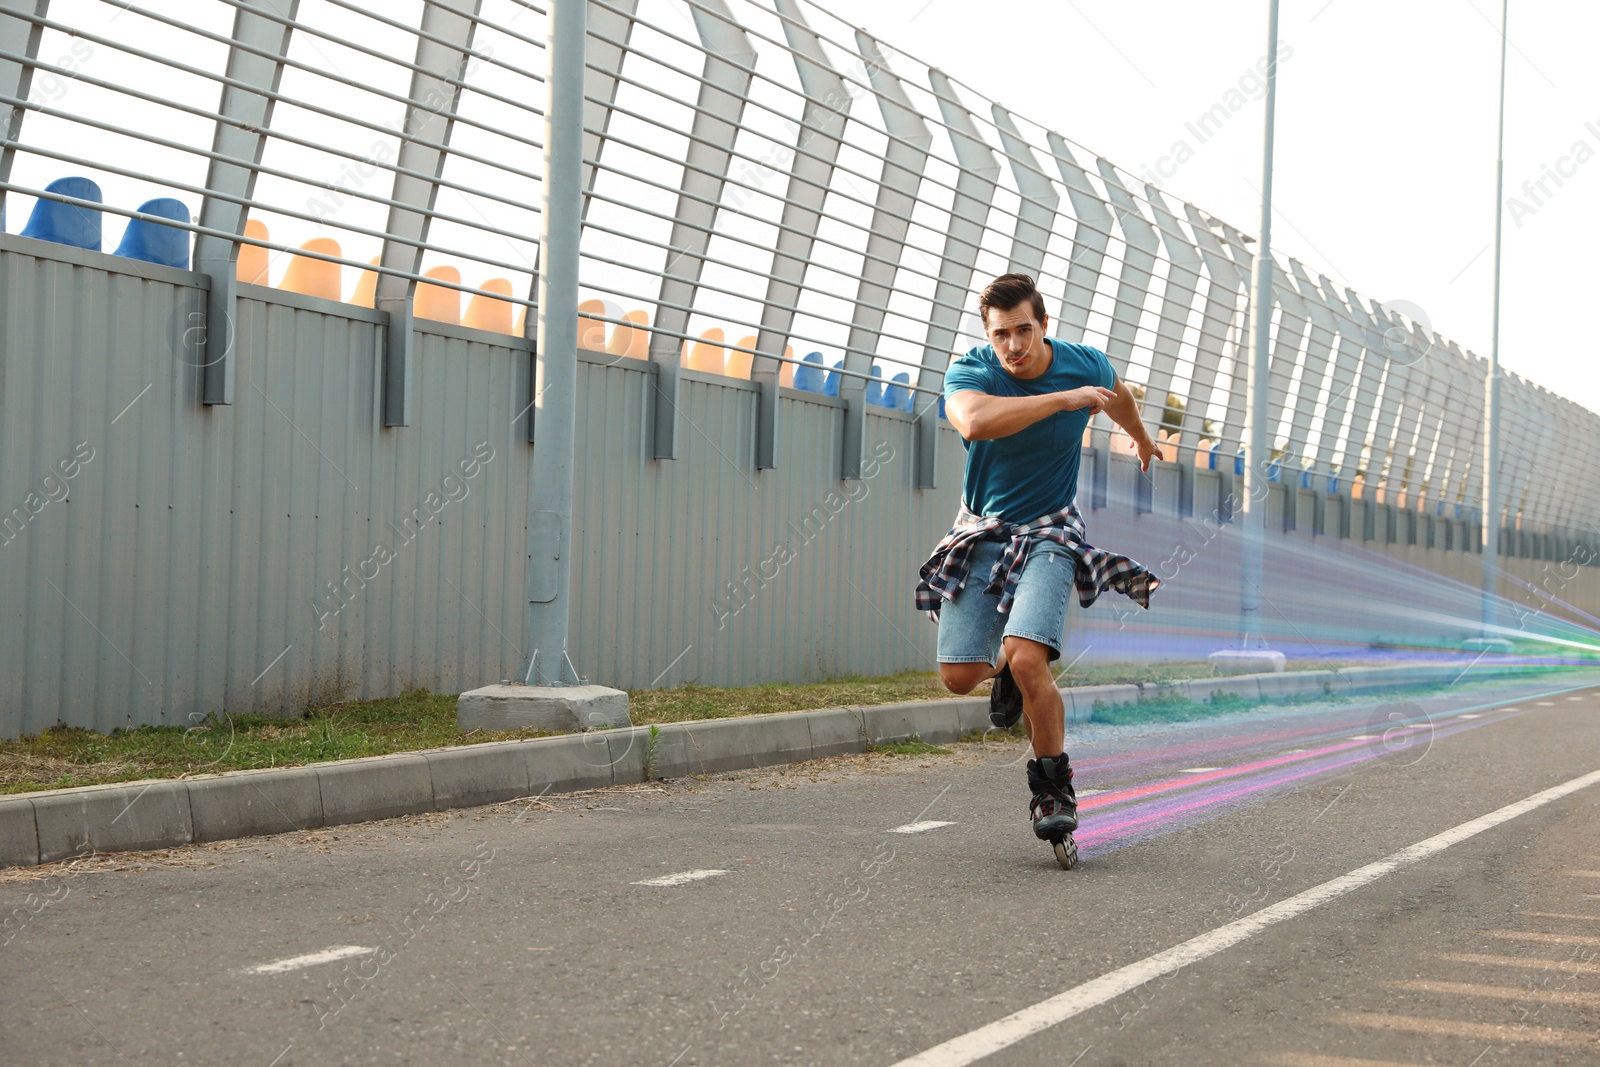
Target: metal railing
[(762, 181)]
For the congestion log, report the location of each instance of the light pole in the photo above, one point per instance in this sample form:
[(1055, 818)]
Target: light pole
[(1491, 391), (1258, 443)]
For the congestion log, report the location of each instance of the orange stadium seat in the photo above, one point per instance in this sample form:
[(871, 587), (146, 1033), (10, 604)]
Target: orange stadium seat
[(365, 294), (253, 259), (487, 313), (631, 339), (738, 365), (706, 354), (314, 277), (435, 301), (591, 331)]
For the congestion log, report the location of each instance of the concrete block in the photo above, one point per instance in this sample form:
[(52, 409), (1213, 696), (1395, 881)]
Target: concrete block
[(473, 775), (562, 709), (1247, 686), (935, 721), (731, 745), (19, 833), (1085, 698), (1247, 661), (1301, 683), (972, 713), (251, 803), (1272, 686), (1360, 679), (112, 818), (377, 787), (568, 764), (836, 731)]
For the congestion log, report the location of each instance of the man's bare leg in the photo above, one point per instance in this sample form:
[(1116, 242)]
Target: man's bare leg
[(1041, 700)]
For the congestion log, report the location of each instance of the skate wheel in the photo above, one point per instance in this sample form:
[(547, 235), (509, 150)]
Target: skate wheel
[(1066, 852)]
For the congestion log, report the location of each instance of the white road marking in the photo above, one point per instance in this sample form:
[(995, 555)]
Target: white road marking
[(1196, 770), (1361, 737), (920, 827), (1468, 716), (681, 878), (1003, 1033), (1091, 792), (1574, 698), (1547, 703), (311, 959)]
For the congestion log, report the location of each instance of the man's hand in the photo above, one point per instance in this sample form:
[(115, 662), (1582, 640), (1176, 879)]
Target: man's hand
[(1091, 397), (1147, 450)]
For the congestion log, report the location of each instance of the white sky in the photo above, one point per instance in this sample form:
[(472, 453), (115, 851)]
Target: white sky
[(1384, 171)]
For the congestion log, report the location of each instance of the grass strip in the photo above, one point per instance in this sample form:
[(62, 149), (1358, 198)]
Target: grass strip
[(67, 756)]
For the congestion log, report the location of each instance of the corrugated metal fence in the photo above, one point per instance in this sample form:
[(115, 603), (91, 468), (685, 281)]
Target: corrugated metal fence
[(161, 559)]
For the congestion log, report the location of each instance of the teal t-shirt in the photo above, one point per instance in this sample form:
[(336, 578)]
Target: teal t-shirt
[(1034, 471)]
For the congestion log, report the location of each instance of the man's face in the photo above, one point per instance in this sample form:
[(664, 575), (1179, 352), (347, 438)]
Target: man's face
[(1019, 340)]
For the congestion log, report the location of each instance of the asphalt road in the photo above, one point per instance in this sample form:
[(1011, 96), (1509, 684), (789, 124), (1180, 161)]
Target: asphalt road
[(528, 933)]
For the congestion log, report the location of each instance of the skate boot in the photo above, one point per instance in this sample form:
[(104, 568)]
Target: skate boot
[(1055, 806), (1005, 700)]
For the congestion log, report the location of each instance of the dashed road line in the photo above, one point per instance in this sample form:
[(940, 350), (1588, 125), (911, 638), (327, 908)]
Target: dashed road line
[(682, 878), (311, 959), (920, 827)]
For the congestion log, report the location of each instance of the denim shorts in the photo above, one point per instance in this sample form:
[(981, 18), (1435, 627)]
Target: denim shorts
[(971, 628)]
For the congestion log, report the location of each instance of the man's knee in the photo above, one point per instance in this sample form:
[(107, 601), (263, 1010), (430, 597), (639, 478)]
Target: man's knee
[(963, 678), (1030, 662)]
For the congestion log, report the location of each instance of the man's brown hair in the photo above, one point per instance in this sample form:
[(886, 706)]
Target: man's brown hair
[(1009, 291)]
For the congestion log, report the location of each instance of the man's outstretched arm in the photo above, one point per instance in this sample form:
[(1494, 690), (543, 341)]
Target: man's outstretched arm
[(1124, 411), (979, 416)]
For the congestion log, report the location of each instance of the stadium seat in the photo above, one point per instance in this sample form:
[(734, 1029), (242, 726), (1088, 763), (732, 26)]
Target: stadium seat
[(896, 396), (830, 386), (1203, 454), (738, 365), (365, 294), (809, 378), (631, 339), (153, 242), (487, 313), (435, 302), (314, 277), (941, 407), (591, 331), (67, 224), (706, 355), (253, 259), (875, 388)]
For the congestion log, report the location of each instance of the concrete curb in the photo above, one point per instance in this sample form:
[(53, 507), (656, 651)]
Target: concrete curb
[(59, 824)]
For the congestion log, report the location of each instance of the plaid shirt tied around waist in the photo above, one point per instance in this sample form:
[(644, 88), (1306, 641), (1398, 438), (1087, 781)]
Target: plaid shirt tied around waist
[(949, 568)]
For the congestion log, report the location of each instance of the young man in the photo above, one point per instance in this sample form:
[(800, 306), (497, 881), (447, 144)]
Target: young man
[(999, 581)]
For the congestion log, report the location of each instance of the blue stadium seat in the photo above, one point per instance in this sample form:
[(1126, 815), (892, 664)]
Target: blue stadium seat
[(809, 377), (1238, 464), (155, 243), (941, 405), (897, 396), (831, 386), (67, 224), (875, 389)]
